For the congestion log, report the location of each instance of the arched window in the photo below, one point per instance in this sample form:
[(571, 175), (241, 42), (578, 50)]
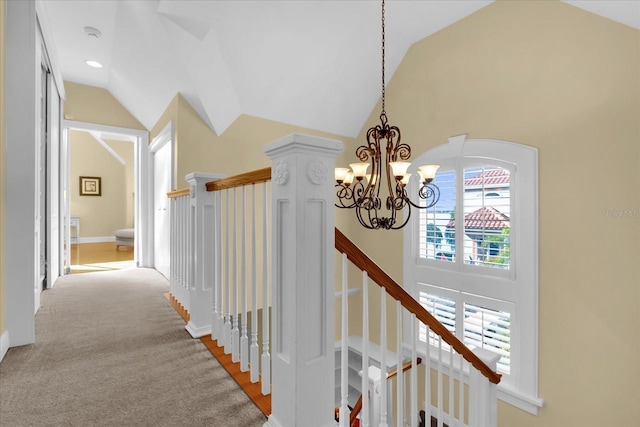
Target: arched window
[(472, 260)]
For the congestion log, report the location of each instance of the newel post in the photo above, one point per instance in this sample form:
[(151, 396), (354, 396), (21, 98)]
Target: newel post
[(302, 196), (483, 394), (203, 214)]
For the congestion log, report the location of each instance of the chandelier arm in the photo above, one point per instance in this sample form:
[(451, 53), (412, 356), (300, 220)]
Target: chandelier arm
[(416, 205), (406, 220), (343, 193), (390, 176), (361, 219), (430, 191)]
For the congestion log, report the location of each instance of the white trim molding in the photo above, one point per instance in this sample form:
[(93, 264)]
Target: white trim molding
[(514, 290), (96, 239), (530, 404), (4, 344), (142, 212)]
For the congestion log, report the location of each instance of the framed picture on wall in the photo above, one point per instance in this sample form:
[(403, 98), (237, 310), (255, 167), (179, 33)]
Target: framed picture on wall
[(90, 186)]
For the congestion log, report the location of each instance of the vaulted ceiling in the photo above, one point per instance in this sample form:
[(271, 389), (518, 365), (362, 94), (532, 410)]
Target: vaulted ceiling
[(313, 63)]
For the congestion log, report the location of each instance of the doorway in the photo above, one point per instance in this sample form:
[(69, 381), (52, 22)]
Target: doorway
[(162, 166), (139, 196)]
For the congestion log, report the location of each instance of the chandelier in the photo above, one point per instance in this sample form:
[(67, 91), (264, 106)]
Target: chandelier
[(359, 190)]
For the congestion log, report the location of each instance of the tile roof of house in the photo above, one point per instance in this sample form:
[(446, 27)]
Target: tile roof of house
[(486, 218), (489, 177)]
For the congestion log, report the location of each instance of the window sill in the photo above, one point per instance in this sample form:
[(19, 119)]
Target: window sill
[(505, 393), (521, 401)]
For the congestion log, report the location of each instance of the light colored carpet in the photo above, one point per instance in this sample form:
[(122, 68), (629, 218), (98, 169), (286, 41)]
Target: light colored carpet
[(111, 351)]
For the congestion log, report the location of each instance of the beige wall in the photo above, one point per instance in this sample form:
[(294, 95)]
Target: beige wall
[(552, 76), (198, 148), (3, 180), (101, 216), (125, 149), (95, 105)]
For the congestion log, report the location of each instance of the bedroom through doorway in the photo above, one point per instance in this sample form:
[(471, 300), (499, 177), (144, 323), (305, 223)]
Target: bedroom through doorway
[(103, 194)]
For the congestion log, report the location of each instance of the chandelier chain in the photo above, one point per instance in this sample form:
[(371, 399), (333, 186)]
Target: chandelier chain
[(383, 113)]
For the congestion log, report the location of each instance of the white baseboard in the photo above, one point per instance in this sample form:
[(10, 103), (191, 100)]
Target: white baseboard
[(4, 344), (196, 332), (97, 239), (272, 422)]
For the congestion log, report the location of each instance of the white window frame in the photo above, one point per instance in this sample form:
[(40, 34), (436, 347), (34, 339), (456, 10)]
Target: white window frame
[(518, 285)]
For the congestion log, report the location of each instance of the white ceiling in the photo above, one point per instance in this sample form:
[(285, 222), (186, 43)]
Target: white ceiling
[(314, 63)]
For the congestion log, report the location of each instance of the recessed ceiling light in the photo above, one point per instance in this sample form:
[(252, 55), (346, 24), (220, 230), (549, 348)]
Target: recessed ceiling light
[(94, 64)]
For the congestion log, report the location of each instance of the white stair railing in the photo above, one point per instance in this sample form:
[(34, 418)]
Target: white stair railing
[(194, 213), (242, 307), (178, 281), (209, 269), (390, 399), (215, 275)]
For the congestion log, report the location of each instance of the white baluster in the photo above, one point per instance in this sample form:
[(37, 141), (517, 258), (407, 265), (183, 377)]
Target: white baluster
[(266, 357), (414, 372), (344, 350), (427, 377), (461, 410), (383, 358), (178, 245), (254, 289), (244, 339), (364, 417), (180, 233), (440, 381), (451, 405), (182, 251), (172, 248), (218, 314), (187, 258), (235, 332), (185, 254), (227, 283), (400, 376)]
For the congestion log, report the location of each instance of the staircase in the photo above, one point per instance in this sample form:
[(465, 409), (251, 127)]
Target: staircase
[(252, 263)]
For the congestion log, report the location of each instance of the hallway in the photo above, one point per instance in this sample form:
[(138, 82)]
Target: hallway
[(111, 351)]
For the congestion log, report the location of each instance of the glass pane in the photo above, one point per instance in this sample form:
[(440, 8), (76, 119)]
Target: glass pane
[(437, 229), (490, 329), (444, 310), (487, 216)]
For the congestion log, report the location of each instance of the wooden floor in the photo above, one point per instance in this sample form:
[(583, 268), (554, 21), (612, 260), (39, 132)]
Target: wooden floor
[(243, 379), (90, 257)]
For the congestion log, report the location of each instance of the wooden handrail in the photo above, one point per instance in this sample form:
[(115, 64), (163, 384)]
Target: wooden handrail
[(381, 278), (246, 178), (355, 411), (178, 193), (405, 367), (253, 177)]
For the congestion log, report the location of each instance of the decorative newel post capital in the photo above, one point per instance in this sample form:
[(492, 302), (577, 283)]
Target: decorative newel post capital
[(303, 144), (198, 181), (302, 193)]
